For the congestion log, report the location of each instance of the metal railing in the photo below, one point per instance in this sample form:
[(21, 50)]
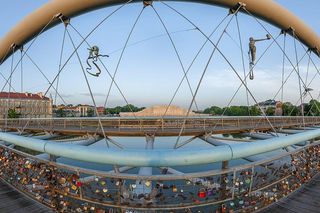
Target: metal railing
[(140, 125), (247, 187)]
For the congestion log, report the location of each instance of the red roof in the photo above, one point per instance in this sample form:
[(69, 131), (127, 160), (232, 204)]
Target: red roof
[(16, 95)]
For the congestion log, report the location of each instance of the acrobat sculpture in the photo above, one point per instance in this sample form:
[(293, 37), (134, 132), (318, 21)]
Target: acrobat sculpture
[(252, 52)]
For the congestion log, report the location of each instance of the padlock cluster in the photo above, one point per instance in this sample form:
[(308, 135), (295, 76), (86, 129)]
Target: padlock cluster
[(240, 190)]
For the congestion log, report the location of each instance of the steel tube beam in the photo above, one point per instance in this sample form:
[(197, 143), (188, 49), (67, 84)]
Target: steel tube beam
[(158, 158), (32, 25)]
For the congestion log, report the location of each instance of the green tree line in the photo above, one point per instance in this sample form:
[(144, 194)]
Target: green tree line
[(288, 109), (127, 108)]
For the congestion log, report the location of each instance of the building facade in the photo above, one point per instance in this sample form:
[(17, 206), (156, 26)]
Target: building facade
[(25, 105), (101, 111), (74, 111), (84, 110), (271, 104)]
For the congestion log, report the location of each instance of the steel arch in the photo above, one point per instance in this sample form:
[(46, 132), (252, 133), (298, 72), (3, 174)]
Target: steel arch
[(32, 25)]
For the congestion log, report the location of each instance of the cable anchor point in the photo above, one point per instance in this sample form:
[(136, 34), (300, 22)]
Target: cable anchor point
[(236, 8), (64, 19), (147, 3)]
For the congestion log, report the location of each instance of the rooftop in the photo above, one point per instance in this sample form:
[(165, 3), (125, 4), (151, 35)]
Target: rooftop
[(16, 95)]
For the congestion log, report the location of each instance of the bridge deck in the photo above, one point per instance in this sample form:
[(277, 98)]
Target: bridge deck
[(156, 126), (305, 200), (12, 200)]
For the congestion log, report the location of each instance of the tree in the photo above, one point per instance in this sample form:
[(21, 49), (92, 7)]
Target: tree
[(312, 108), (255, 111), (214, 110), (13, 114), (61, 113), (270, 111), (289, 109), (90, 112), (127, 108)]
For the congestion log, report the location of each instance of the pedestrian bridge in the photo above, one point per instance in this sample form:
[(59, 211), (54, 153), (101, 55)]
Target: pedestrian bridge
[(158, 126), (246, 164), (252, 186)]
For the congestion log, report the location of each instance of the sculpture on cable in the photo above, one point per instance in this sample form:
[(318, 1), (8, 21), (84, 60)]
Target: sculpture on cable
[(252, 52), (306, 91), (93, 56)]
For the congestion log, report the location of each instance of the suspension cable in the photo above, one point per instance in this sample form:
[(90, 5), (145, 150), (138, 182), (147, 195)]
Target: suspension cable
[(32, 42), (299, 99), (298, 72), (60, 62), (7, 52), (225, 58), (308, 85), (9, 89), (283, 68), (311, 108), (6, 80), (287, 57), (177, 53), (202, 76), (5, 56), (121, 56), (243, 63), (315, 66), (89, 87), (108, 72), (191, 64), (240, 6), (241, 84), (151, 38), (86, 37), (283, 63), (91, 94), (21, 69), (308, 66), (45, 76), (287, 78)]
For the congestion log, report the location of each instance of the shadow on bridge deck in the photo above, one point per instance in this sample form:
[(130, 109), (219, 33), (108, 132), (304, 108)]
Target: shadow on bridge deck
[(304, 200), (11, 200)]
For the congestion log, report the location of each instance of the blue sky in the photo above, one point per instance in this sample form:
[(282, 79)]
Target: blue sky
[(150, 71)]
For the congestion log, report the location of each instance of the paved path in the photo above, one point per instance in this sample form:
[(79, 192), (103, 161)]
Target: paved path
[(305, 200), (12, 200)]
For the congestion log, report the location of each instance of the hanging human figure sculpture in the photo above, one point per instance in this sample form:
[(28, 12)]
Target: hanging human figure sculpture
[(252, 52), (306, 91), (93, 56)]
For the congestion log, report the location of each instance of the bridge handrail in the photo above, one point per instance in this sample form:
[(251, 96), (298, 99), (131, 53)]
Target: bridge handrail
[(145, 123), (253, 183), (166, 118), (162, 177)]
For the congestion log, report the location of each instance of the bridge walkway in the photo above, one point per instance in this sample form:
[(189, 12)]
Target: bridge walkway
[(11, 200), (304, 200)]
